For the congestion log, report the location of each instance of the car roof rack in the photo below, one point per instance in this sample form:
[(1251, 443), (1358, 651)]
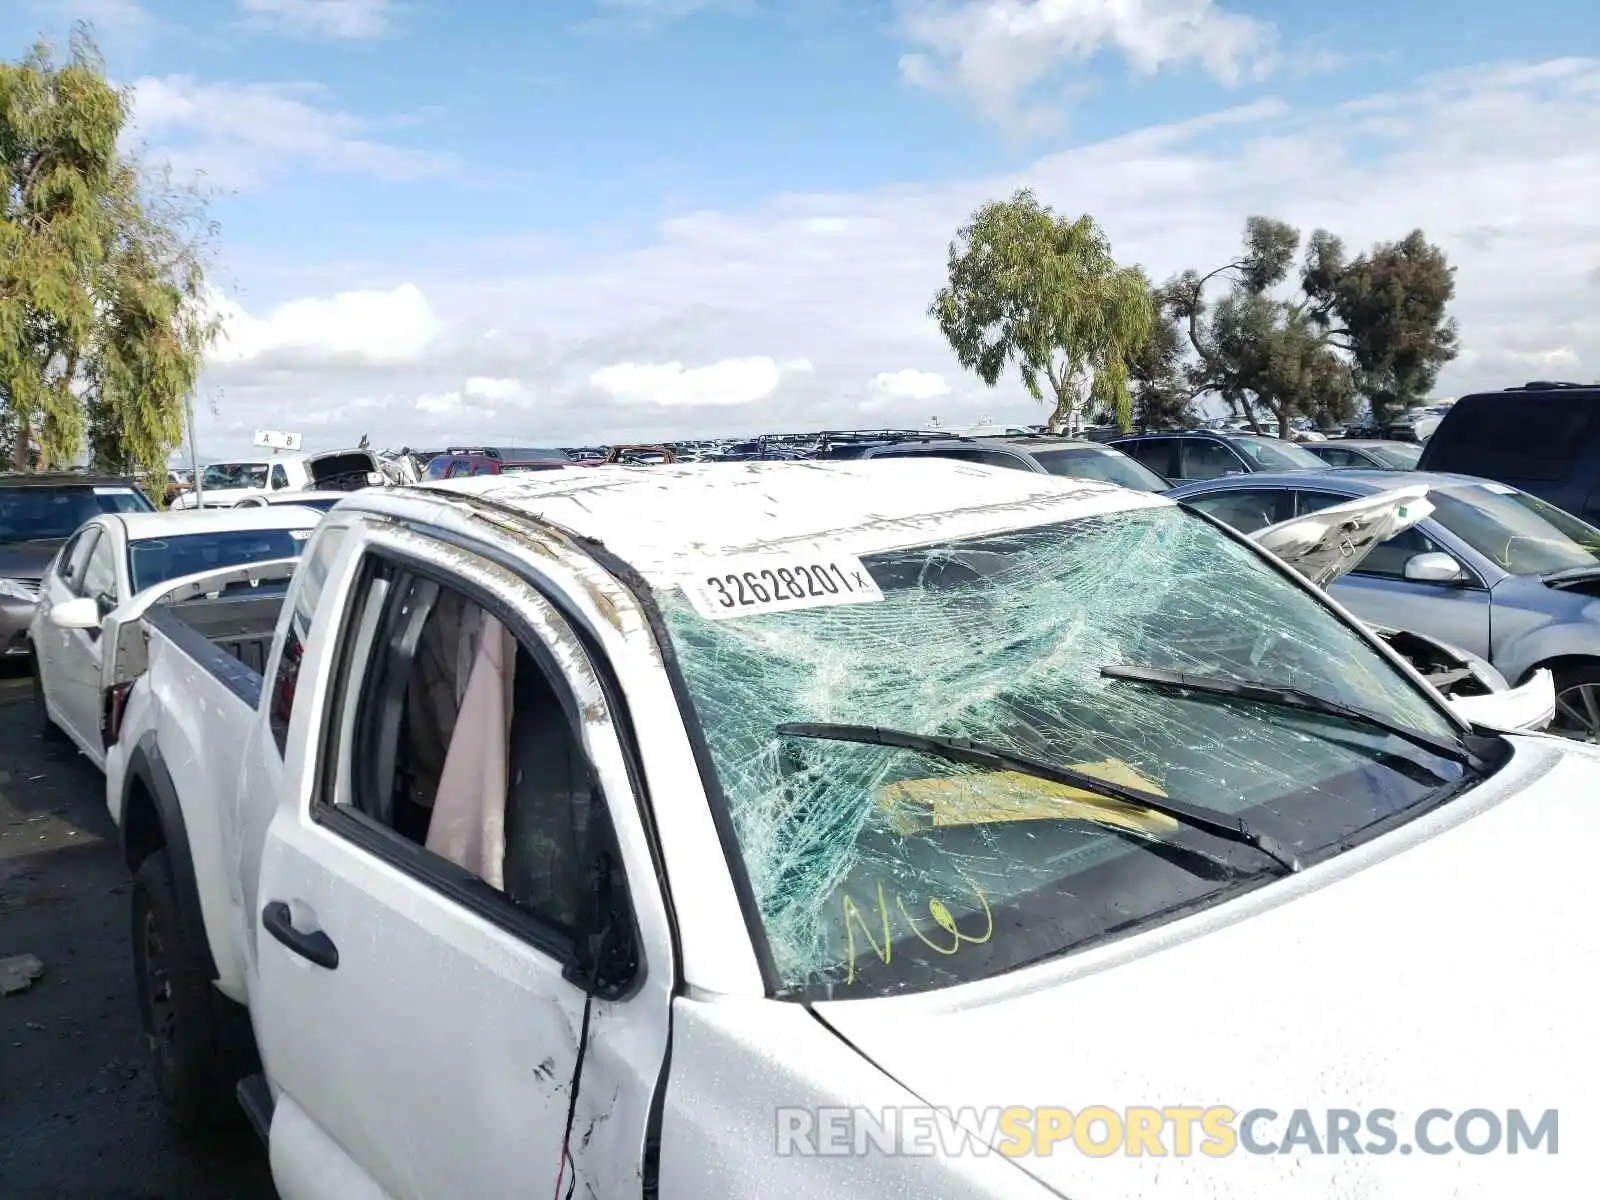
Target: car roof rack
[(1548, 385)]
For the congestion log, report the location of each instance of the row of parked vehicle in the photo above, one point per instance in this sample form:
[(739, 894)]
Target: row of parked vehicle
[(573, 825), (80, 554)]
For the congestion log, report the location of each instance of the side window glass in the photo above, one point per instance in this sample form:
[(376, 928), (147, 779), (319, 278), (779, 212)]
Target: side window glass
[(100, 576), (1248, 509), (483, 468), (1338, 458), (280, 478), (1205, 459), (464, 743), (987, 458), (1388, 559), (312, 575), (69, 566), (1155, 453), (1311, 502)]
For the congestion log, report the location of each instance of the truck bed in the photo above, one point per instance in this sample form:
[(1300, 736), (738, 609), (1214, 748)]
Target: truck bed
[(229, 635)]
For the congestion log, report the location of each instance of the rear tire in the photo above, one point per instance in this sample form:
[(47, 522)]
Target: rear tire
[(200, 1043), (1578, 702), (48, 729)]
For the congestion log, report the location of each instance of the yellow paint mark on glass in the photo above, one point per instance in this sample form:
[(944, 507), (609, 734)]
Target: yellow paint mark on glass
[(982, 798)]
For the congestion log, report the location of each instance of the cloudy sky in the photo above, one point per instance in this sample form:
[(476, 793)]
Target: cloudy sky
[(579, 220)]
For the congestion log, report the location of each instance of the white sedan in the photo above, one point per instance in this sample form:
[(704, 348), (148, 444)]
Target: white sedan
[(103, 571)]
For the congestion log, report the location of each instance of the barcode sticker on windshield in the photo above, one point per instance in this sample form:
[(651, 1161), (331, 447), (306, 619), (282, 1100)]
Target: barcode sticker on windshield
[(300, 535), (767, 583), (113, 491)]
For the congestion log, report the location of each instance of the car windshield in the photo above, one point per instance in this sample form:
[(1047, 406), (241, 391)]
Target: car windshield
[(1104, 463), (235, 475), (1271, 454), (1519, 533), (1400, 455), (35, 514), (156, 560), (877, 871)]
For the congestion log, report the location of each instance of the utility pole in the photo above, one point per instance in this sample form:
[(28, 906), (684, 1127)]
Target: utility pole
[(194, 455)]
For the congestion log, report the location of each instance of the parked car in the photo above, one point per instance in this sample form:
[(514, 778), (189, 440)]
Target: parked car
[(511, 453), (38, 512), (1493, 570), (222, 485), (1542, 438), (700, 835), (1328, 544), (462, 466), (1043, 456), (108, 571), (1208, 454), (321, 501), (1372, 453)]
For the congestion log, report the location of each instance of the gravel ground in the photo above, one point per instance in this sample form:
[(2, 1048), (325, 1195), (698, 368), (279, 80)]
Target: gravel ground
[(78, 1117)]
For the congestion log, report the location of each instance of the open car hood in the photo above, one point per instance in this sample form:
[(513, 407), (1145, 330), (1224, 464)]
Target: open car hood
[(1326, 544)]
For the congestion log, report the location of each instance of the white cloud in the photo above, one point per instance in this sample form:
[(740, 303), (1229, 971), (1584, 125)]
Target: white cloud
[(995, 51), (372, 327), (238, 135), (731, 382), (495, 389), (1498, 164), (343, 19), (908, 384)]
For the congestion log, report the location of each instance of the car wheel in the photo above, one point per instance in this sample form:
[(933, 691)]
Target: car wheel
[(48, 729), (198, 1039), (1578, 703)]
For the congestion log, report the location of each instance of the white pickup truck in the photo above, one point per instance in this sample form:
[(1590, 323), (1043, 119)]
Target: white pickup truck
[(224, 485), (706, 832)]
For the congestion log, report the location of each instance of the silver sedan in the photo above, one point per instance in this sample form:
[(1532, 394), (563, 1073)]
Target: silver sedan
[(1493, 570)]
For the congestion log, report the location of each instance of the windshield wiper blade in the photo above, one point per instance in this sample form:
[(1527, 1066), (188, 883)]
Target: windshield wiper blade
[(964, 750), (1568, 575), (1289, 697)]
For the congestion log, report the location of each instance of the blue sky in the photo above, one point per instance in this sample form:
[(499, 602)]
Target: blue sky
[(447, 219)]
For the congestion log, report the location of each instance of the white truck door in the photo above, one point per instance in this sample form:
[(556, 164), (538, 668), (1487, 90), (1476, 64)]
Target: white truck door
[(418, 1003)]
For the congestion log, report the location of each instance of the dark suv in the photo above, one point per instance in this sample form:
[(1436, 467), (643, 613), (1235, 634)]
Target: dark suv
[(1044, 456), (1542, 438), (37, 514), (1189, 454)]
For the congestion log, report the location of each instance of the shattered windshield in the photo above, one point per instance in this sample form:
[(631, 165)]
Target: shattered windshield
[(879, 870)]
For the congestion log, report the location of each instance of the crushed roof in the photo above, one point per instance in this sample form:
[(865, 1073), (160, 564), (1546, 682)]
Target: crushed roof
[(664, 519)]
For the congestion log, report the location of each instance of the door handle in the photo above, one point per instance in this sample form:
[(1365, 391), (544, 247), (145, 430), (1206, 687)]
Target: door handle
[(316, 945)]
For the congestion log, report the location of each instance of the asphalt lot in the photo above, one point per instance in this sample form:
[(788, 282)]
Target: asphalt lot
[(78, 1117)]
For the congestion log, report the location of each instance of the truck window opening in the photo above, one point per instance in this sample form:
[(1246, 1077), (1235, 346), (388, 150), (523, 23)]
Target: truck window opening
[(488, 772)]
